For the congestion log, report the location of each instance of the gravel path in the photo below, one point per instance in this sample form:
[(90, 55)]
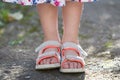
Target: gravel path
[(99, 36)]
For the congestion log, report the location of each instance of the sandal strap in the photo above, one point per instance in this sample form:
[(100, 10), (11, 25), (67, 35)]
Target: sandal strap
[(47, 43), (46, 55), (75, 46), (51, 53)]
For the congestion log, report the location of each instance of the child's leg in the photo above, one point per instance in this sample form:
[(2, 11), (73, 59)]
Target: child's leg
[(71, 21), (49, 20)]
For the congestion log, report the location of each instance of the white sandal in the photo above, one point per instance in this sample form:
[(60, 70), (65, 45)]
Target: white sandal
[(43, 55), (80, 58)]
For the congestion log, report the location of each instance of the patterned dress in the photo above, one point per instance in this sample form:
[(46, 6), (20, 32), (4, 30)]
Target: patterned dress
[(53, 2)]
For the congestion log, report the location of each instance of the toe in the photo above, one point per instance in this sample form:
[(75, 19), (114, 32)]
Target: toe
[(53, 60), (68, 64), (65, 65), (79, 65), (75, 65), (71, 65), (42, 62), (48, 61)]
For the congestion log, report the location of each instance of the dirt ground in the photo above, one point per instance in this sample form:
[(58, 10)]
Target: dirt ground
[(99, 36)]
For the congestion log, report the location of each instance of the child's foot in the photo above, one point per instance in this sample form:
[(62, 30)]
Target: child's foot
[(49, 55), (71, 64), (51, 60), (72, 58)]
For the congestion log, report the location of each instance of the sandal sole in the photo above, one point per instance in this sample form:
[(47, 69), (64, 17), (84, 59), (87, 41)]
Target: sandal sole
[(72, 70), (47, 66)]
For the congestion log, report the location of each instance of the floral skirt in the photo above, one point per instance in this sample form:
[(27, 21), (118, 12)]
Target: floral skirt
[(53, 2)]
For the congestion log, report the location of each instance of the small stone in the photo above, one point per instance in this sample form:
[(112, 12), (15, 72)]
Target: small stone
[(27, 77)]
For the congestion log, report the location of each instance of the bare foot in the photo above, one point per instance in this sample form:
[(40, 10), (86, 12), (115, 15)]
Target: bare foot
[(71, 64), (51, 60)]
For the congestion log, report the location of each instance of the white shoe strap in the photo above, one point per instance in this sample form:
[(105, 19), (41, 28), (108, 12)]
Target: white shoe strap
[(76, 46), (72, 57), (47, 43), (51, 53)]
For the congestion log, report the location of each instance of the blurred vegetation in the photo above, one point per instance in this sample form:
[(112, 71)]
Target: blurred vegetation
[(6, 9), (10, 13), (109, 44)]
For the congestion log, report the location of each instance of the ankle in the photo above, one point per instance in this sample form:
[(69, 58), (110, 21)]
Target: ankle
[(52, 39), (74, 41)]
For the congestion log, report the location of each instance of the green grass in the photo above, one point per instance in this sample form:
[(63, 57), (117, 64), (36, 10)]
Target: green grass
[(108, 44), (6, 8), (4, 15)]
